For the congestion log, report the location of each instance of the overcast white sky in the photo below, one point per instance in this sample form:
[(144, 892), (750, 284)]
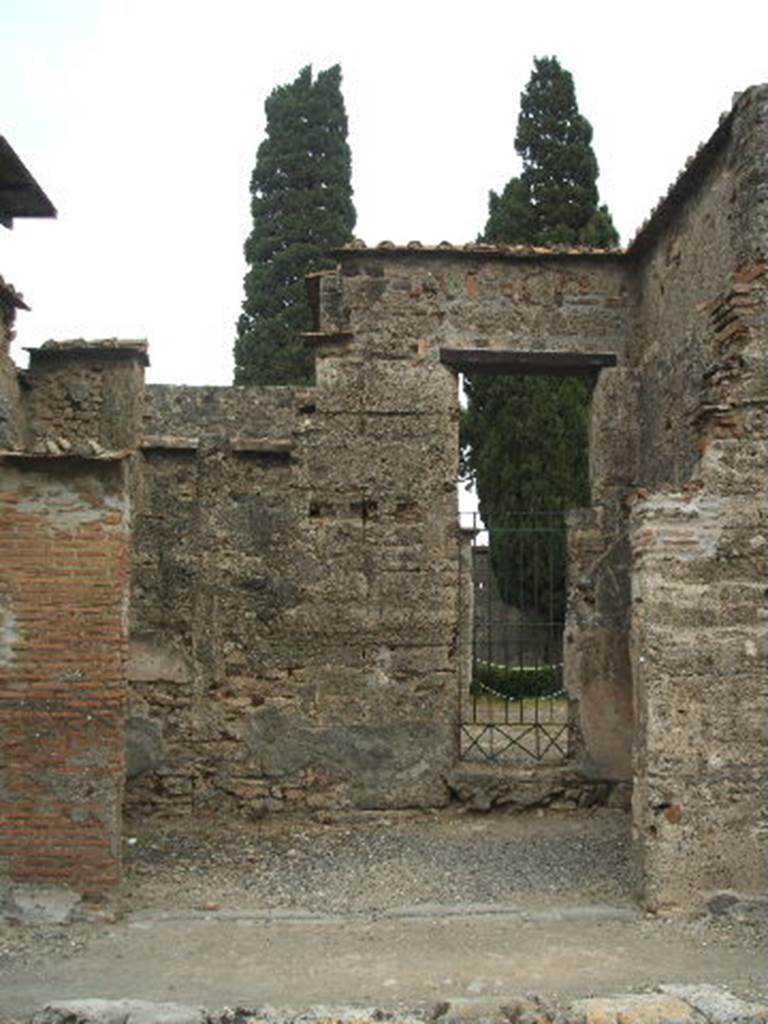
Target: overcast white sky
[(141, 119)]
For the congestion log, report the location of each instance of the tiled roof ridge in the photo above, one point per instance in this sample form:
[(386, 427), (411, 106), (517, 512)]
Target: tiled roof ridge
[(694, 170), (478, 248)]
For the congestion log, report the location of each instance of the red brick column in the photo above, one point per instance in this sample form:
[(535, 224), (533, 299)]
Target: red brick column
[(63, 627)]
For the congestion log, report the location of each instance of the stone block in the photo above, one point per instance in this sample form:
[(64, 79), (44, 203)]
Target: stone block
[(118, 1011), (144, 747), (652, 1008), (718, 1005), (40, 904)]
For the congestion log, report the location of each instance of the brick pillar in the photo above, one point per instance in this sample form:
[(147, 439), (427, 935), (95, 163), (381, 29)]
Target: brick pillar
[(64, 537)]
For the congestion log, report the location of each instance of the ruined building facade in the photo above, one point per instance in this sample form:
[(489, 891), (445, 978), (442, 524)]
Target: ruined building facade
[(264, 588)]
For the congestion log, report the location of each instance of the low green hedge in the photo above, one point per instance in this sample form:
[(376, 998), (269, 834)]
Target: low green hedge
[(515, 683)]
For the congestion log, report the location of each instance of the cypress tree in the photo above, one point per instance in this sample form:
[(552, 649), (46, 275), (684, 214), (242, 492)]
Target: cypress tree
[(555, 199), (525, 439), (301, 203)]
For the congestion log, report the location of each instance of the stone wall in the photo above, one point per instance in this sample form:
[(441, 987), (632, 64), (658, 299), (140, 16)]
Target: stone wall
[(698, 529), (288, 649), (350, 557), (10, 397), (295, 610), (84, 398), (401, 302), (596, 650)]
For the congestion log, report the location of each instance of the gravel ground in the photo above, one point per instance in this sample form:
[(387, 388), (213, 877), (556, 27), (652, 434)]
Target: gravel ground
[(356, 865), (363, 863)]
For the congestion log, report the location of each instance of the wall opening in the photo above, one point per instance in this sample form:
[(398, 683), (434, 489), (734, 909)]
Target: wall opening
[(515, 703)]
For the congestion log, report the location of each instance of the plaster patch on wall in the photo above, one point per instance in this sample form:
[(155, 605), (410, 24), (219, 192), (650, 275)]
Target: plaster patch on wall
[(9, 634), (65, 511), (66, 506), (679, 526), (151, 658)]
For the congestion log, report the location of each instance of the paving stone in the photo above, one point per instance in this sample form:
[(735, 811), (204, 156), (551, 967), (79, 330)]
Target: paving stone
[(119, 1011), (528, 1011), (652, 1008), (41, 904), (717, 1005)]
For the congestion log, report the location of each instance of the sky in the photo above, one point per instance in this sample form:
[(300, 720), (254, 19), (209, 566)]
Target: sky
[(141, 119)]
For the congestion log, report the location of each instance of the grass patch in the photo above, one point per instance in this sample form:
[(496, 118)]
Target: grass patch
[(515, 683)]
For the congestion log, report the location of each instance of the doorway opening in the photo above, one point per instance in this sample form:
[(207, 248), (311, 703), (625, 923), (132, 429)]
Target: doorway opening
[(525, 449)]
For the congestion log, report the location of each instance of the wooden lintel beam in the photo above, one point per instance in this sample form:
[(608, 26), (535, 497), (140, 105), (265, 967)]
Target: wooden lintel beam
[(501, 361)]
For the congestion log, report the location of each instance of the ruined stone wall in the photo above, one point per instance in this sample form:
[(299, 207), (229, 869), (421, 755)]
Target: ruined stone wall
[(300, 600), (295, 608), (396, 303), (596, 655), (286, 650), (84, 398), (10, 397), (699, 634)]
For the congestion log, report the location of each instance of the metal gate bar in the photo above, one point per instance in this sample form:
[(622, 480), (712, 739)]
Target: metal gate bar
[(515, 708)]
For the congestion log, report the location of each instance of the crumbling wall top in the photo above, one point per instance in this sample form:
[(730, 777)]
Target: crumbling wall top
[(52, 350), (10, 297)]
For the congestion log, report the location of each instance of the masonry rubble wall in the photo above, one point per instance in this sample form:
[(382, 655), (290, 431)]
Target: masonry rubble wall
[(698, 530), (367, 485), (84, 398), (567, 304), (597, 666), (10, 394), (296, 570), (275, 660)]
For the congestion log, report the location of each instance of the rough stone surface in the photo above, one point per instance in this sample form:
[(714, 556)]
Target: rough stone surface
[(119, 1011), (672, 1004), (482, 787), (638, 1009), (718, 1005), (83, 397), (33, 904)]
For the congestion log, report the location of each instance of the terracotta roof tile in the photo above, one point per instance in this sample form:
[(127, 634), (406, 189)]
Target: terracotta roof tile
[(477, 249)]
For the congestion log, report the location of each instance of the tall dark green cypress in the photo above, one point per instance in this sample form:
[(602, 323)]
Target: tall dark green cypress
[(525, 439), (555, 199), (301, 203)]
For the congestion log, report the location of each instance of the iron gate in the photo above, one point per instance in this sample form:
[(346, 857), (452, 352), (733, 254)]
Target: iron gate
[(513, 706)]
